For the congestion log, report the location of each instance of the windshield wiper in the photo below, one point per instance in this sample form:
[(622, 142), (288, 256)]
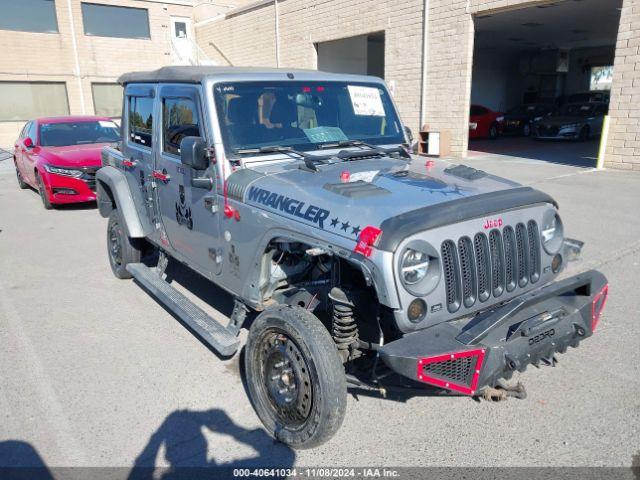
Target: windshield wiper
[(309, 160), (373, 150)]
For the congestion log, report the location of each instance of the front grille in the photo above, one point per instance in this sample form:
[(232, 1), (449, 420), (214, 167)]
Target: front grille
[(459, 370), (89, 177), (474, 270)]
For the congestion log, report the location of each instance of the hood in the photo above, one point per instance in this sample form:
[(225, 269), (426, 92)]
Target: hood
[(73, 155), (560, 121), (377, 189)]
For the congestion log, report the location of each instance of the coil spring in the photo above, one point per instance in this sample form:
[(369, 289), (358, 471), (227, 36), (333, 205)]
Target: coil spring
[(344, 329)]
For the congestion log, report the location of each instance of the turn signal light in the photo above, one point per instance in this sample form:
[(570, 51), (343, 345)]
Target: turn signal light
[(367, 239)]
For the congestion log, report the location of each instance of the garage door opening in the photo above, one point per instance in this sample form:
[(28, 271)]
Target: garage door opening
[(361, 55), (541, 80)]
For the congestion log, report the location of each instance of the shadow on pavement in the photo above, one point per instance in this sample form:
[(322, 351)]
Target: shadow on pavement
[(20, 460), (182, 440), (577, 154)]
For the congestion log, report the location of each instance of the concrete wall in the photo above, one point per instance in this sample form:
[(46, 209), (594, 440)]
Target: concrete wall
[(623, 148), (50, 56), (248, 38)]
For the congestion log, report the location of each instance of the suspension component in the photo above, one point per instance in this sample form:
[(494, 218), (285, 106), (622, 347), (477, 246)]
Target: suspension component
[(344, 329)]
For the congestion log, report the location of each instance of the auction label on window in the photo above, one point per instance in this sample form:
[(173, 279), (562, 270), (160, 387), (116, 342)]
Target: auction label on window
[(366, 101)]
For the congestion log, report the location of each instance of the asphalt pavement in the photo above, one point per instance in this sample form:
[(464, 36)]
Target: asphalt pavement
[(93, 372)]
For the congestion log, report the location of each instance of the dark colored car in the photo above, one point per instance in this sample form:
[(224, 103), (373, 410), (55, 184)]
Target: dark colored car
[(520, 120), (576, 121)]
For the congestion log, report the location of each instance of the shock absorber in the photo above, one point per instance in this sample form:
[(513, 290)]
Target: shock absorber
[(344, 329)]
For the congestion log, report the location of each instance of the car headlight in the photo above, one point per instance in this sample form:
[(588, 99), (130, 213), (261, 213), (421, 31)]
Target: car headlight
[(414, 266), (67, 172), (552, 232)]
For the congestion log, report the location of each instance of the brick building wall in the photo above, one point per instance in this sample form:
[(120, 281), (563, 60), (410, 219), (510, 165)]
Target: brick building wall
[(623, 146), (248, 37), (33, 57)]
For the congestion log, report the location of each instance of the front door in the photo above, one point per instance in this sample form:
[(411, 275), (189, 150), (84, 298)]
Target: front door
[(188, 213), (181, 40)]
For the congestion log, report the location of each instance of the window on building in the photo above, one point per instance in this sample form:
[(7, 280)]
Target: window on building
[(180, 119), (28, 16), (141, 120), (111, 21), (27, 100), (601, 77), (107, 99)]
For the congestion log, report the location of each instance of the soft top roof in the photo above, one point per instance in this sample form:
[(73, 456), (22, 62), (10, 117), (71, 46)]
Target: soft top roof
[(196, 74)]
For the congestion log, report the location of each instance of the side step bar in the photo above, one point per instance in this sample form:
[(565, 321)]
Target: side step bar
[(218, 337)]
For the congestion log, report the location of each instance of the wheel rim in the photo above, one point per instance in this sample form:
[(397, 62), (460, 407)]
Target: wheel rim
[(115, 244), (285, 379), (493, 132), (41, 190), (527, 130)]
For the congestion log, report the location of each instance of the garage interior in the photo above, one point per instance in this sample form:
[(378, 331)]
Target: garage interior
[(360, 55), (543, 54)]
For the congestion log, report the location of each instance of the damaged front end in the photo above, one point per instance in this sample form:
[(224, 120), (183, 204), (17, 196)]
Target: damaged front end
[(471, 356)]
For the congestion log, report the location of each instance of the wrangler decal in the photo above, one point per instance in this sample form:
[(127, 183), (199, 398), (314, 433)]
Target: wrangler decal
[(288, 205)]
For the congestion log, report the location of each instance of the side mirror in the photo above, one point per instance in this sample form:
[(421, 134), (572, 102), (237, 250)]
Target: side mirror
[(193, 153), (28, 142), (409, 134)]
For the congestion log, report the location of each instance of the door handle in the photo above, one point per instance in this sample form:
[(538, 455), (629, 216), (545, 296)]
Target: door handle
[(161, 175), (129, 163)]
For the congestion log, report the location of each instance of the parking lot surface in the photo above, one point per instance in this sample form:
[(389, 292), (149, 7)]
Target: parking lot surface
[(93, 372)]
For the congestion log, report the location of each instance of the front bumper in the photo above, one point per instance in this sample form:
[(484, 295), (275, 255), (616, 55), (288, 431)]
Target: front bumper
[(63, 189), (468, 356)]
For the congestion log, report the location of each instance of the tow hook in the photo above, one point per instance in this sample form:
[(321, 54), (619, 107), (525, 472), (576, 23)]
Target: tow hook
[(503, 390)]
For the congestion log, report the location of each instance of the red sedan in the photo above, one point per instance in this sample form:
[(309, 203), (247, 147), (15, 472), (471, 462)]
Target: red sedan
[(59, 157), (484, 123)]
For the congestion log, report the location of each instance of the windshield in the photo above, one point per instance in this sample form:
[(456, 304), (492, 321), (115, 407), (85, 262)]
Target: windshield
[(78, 133), (304, 115), (576, 110)]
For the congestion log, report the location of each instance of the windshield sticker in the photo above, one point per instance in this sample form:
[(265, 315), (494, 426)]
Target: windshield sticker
[(107, 124), (325, 134), (288, 205), (366, 101), (363, 176)]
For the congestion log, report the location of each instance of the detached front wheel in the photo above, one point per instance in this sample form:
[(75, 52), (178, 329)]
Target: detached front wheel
[(295, 378), (121, 249)]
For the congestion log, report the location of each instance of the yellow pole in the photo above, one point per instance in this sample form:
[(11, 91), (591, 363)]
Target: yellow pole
[(603, 143)]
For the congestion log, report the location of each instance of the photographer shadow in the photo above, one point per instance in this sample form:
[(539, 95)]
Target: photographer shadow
[(187, 450)]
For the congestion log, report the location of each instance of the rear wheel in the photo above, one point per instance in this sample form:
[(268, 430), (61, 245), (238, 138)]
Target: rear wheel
[(44, 196), (493, 131), (585, 134), (295, 378), (121, 249), (21, 183)]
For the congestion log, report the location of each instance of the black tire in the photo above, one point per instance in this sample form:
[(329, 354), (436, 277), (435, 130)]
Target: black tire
[(21, 182), (43, 193), (585, 134), (526, 130), (289, 347), (121, 249), (493, 131)]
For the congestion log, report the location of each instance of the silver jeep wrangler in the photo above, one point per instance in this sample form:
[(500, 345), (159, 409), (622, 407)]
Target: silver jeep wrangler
[(350, 261)]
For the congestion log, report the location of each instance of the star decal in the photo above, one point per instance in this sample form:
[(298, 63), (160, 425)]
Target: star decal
[(345, 226), (334, 222), (356, 230)]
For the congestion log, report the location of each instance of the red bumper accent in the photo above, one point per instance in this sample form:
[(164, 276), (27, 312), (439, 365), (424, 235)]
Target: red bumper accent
[(597, 305), (54, 182), (450, 358)]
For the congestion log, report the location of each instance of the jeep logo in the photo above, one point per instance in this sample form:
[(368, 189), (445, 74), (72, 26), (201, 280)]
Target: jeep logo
[(492, 223), (538, 338)]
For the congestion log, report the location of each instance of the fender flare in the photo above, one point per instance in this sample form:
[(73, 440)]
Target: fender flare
[(112, 190)]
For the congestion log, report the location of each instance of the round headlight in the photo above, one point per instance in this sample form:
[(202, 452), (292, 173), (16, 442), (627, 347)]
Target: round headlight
[(552, 233), (414, 266)]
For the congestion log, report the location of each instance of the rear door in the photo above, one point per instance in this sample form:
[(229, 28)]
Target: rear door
[(30, 155), (18, 146), (139, 117)]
